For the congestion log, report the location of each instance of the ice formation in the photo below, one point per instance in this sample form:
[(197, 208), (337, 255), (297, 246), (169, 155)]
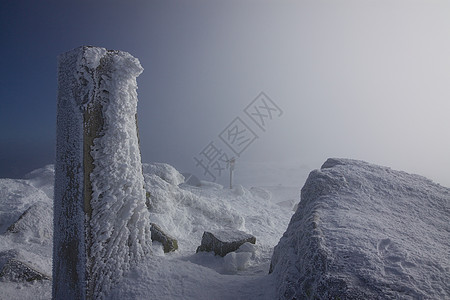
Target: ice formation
[(101, 220)]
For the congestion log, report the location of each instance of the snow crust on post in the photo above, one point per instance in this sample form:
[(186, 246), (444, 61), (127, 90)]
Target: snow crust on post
[(101, 221)]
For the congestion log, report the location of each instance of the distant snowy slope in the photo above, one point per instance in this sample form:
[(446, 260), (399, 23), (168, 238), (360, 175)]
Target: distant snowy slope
[(363, 231)]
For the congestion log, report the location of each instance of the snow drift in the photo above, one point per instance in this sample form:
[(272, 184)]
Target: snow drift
[(363, 231)]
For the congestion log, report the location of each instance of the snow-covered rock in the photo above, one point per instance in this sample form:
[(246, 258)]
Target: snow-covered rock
[(35, 224), (186, 212), (164, 171), (16, 270), (363, 231), (169, 243), (222, 242), (16, 196)]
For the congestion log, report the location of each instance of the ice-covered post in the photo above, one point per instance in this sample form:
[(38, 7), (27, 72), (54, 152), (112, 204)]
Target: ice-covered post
[(101, 223)]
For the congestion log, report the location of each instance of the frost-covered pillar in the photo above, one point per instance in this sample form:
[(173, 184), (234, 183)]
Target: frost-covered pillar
[(101, 224)]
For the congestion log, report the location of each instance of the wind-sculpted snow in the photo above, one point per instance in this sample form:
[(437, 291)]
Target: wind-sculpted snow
[(363, 231), (164, 171)]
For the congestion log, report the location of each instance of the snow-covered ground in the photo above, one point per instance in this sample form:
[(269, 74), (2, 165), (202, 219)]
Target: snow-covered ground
[(361, 231), (32, 243), (184, 212)]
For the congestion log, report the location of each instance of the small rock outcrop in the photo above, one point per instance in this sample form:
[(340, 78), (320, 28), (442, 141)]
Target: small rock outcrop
[(169, 243), (224, 241), (15, 270)]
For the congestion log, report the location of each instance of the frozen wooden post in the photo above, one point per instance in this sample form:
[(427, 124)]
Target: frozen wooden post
[(101, 224)]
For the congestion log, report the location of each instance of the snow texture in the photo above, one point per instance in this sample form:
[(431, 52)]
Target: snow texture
[(33, 223), (375, 229), (27, 211), (363, 231), (15, 270), (17, 196), (183, 211), (99, 197), (165, 172)]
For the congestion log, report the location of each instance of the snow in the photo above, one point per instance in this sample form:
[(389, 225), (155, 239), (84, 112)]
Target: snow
[(366, 231), (370, 226), (92, 57), (16, 196), (31, 241), (184, 212), (165, 172)]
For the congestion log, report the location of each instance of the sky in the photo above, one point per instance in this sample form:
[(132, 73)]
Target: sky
[(356, 79)]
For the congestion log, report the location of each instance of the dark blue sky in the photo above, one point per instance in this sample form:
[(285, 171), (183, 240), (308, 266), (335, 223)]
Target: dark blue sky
[(357, 79), (32, 35)]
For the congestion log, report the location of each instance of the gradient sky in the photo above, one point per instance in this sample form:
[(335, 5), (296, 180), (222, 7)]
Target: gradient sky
[(357, 79)]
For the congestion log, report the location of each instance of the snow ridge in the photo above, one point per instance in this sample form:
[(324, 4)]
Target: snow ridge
[(363, 231)]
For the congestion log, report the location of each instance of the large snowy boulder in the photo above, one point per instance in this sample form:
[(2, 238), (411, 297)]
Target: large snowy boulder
[(363, 231)]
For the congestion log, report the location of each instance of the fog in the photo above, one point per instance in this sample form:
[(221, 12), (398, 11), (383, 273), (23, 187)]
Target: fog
[(356, 79)]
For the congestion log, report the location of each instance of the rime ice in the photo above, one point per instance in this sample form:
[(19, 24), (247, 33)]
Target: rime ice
[(100, 218)]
